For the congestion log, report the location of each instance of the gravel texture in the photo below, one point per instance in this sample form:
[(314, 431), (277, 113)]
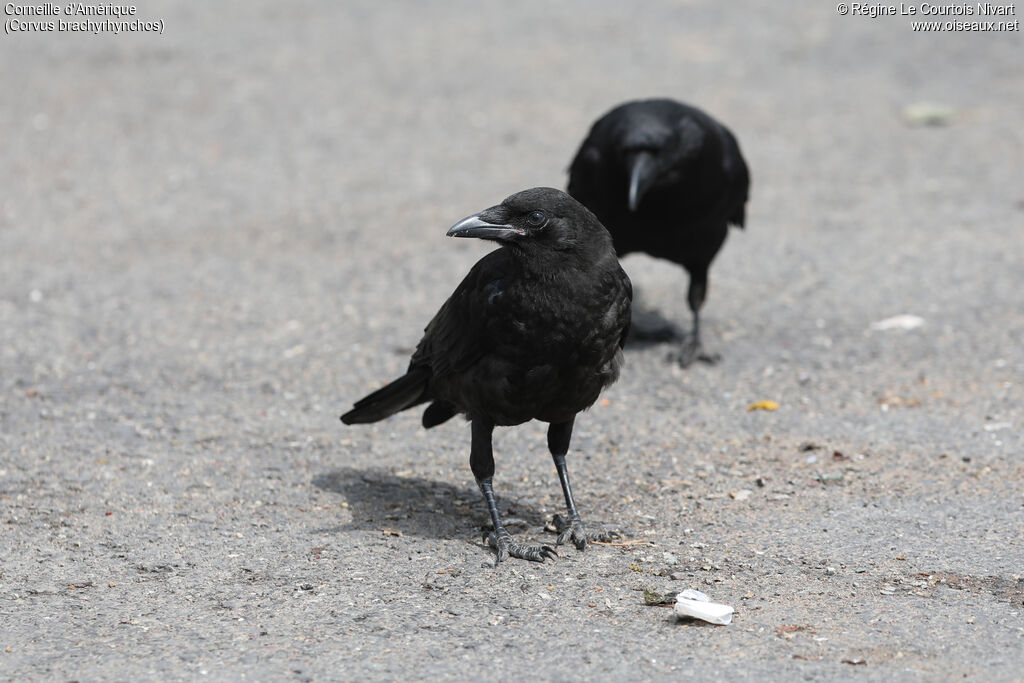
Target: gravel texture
[(214, 240)]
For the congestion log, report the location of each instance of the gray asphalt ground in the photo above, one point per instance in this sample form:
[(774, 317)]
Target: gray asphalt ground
[(214, 240)]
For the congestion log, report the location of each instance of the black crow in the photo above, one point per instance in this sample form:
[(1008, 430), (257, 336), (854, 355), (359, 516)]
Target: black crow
[(534, 331), (665, 179)]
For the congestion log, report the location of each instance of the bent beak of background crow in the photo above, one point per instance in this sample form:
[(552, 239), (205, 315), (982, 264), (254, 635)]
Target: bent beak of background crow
[(642, 175), (486, 225)]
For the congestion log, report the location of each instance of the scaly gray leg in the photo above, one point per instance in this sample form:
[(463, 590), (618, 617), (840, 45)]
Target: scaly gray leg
[(691, 349), (481, 461), (572, 528)]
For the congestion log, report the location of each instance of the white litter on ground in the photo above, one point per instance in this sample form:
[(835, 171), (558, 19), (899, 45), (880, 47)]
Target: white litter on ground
[(898, 322), (692, 603)]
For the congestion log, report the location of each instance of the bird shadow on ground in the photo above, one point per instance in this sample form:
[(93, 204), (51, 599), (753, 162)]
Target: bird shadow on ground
[(380, 500), (649, 327)]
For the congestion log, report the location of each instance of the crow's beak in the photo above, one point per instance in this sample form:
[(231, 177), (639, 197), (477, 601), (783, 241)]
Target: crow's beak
[(641, 177), (478, 225)]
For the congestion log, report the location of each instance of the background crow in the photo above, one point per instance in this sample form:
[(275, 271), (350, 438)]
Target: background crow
[(665, 179), (534, 331)]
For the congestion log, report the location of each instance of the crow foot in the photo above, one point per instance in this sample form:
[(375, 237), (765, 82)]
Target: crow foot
[(691, 350), (573, 529), (502, 543)]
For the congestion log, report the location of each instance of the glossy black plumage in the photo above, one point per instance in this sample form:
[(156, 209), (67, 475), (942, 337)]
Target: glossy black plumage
[(665, 179), (534, 331)]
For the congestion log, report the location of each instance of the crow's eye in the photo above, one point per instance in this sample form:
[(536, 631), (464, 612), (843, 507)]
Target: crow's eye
[(537, 219)]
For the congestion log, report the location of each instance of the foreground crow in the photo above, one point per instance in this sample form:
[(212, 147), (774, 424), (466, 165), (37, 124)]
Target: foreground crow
[(535, 331), (665, 179)]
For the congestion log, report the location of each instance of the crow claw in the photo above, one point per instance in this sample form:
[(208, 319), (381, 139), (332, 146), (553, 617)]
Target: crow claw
[(604, 536), (691, 350), (505, 548), (573, 529)]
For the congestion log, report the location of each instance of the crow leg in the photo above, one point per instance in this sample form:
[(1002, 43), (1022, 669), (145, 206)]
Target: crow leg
[(481, 461), (691, 349), (571, 528)]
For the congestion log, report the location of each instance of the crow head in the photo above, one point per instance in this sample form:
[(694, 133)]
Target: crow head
[(535, 221), (653, 145)]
